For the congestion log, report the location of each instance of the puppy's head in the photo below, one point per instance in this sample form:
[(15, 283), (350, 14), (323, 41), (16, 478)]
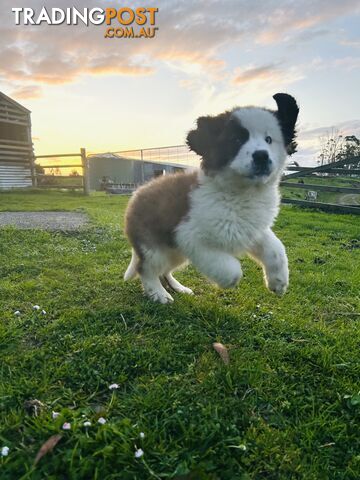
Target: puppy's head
[(249, 142)]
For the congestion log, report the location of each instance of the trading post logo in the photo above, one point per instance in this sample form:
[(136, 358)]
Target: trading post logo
[(121, 23)]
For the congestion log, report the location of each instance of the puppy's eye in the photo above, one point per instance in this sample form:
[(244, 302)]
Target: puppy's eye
[(268, 140)]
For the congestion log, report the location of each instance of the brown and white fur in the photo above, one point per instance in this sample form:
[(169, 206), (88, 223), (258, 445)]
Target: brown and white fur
[(222, 211)]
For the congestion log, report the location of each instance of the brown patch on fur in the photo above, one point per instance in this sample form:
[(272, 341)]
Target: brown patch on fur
[(217, 139), (156, 209)]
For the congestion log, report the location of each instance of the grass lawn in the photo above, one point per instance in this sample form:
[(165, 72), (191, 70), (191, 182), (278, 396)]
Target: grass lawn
[(286, 407)]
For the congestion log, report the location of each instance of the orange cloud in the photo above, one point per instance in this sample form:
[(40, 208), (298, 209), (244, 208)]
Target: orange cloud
[(268, 75), (190, 40), (265, 72), (108, 67), (27, 92), (193, 57)]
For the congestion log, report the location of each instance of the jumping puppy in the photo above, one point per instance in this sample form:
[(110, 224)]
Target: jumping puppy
[(224, 210)]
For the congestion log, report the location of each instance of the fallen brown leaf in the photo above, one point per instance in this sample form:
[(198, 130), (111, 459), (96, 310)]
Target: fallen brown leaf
[(222, 351), (47, 447)]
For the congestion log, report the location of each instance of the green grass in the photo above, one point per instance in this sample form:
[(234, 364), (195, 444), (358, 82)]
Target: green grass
[(290, 394)]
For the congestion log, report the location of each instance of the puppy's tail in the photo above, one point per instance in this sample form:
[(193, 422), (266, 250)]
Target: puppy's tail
[(131, 271)]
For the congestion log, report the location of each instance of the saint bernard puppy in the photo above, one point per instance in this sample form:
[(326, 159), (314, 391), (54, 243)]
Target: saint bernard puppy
[(224, 210)]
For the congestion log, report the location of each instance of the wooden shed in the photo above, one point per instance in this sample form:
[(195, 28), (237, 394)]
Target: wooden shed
[(16, 149)]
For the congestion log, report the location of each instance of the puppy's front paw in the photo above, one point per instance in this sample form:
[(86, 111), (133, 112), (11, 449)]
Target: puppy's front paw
[(278, 286), (160, 296), (277, 280)]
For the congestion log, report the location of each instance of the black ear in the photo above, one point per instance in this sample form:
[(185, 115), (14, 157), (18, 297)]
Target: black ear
[(202, 139), (287, 114)]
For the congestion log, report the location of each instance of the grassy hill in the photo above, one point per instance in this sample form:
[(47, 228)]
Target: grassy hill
[(286, 407)]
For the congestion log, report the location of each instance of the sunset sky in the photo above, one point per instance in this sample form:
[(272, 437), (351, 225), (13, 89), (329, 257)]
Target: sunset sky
[(208, 56)]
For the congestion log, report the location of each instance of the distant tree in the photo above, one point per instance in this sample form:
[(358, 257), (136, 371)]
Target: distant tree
[(334, 147), (74, 173), (351, 149), (330, 147), (57, 171)]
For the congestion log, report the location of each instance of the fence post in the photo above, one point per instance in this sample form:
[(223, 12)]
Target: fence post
[(85, 165), (33, 170), (142, 166)]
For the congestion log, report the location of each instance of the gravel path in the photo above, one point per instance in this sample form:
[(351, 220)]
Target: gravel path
[(44, 220)]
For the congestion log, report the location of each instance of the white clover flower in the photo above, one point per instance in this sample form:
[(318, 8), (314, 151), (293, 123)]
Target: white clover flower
[(242, 447), (113, 386), (87, 424), (66, 426), (36, 307), (5, 451), (55, 415), (43, 312), (139, 452), (142, 435), (17, 313), (102, 421)]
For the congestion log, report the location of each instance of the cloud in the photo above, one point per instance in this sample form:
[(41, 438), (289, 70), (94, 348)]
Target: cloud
[(281, 73), (27, 92), (174, 55), (309, 35), (291, 18), (60, 68), (272, 73), (29, 56), (262, 73), (347, 63), (191, 41), (349, 127), (350, 43)]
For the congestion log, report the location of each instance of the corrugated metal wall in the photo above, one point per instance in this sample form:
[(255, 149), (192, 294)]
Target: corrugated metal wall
[(119, 170), (16, 152), (124, 170), (14, 176)]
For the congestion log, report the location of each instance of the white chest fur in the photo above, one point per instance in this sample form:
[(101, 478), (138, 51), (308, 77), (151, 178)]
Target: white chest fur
[(231, 219)]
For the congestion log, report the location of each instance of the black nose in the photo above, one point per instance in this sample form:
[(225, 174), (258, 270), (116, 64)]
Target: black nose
[(262, 162)]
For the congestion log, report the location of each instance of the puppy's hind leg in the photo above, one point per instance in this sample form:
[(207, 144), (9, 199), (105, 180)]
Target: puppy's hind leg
[(153, 266), (177, 286), (154, 290), (131, 270)]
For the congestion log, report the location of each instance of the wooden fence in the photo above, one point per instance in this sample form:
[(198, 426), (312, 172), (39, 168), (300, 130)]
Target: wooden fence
[(46, 180), (320, 177), (337, 170)]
